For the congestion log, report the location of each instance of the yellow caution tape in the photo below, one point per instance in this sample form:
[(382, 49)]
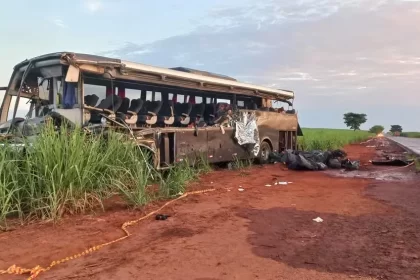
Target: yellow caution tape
[(34, 272)]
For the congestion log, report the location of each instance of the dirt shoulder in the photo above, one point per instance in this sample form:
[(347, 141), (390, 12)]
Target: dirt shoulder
[(263, 232)]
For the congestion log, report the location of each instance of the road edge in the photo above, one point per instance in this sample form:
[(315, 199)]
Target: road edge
[(403, 147)]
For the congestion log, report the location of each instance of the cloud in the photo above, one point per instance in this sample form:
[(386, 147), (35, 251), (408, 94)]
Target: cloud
[(93, 5), (346, 55), (298, 76), (58, 22)]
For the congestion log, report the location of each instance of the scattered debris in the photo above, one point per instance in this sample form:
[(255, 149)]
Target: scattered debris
[(392, 162), (318, 220), (162, 217), (268, 185), (241, 189), (313, 160), (351, 165), (282, 183), (371, 139)]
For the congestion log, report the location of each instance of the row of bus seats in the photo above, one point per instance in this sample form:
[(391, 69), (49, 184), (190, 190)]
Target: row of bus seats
[(166, 113), (145, 112)]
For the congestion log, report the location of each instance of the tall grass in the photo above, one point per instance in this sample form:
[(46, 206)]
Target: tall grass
[(328, 139), (71, 172), (176, 179)]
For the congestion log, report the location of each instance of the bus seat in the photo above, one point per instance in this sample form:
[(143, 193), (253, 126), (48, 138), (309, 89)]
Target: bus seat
[(91, 100), (149, 114), (210, 113), (123, 108), (129, 115), (108, 106), (292, 111), (197, 112), (124, 105), (182, 113), (251, 105), (166, 114)]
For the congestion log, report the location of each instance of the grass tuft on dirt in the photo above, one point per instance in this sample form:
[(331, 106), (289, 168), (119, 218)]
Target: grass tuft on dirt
[(72, 172), (330, 139)]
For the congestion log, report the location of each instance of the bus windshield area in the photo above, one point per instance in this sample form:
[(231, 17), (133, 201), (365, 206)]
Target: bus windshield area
[(36, 99)]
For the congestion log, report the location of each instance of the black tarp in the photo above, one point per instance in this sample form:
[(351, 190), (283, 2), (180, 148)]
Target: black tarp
[(314, 160), (392, 162)]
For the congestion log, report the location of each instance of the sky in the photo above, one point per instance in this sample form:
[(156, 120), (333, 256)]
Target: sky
[(338, 56)]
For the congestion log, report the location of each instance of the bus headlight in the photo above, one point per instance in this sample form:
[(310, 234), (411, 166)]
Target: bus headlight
[(103, 121)]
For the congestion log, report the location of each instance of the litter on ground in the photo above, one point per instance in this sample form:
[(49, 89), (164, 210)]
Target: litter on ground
[(314, 160), (318, 220), (161, 217)]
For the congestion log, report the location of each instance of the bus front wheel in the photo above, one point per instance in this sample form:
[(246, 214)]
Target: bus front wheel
[(264, 153)]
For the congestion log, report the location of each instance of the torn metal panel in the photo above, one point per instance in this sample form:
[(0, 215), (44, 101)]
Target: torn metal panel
[(277, 121), (246, 131)]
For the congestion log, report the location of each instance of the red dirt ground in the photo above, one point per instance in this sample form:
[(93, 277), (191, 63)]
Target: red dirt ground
[(370, 231)]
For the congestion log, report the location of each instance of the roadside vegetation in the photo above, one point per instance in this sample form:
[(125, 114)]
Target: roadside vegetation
[(73, 172), (69, 173), (329, 139), (411, 134), (376, 129)]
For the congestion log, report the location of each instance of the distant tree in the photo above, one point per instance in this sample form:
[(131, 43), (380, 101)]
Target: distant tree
[(396, 128), (376, 129), (354, 121)]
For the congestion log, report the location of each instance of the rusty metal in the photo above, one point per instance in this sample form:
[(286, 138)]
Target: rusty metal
[(211, 142)]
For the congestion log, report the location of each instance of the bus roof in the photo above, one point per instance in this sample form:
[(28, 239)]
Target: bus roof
[(204, 73), (178, 73)]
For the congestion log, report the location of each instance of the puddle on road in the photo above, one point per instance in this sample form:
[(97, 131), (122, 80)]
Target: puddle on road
[(376, 175)]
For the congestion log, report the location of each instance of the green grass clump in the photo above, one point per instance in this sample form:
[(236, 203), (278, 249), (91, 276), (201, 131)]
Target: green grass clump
[(71, 172), (329, 139), (175, 180), (66, 172), (411, 134)]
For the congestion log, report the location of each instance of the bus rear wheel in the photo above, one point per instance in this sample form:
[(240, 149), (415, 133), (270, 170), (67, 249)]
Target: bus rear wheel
[(264, 153)]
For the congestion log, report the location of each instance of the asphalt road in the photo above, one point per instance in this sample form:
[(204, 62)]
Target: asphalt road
[(412, 144)]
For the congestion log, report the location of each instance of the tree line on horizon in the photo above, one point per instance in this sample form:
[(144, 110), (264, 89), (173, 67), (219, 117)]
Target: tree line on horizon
[(355, 120)]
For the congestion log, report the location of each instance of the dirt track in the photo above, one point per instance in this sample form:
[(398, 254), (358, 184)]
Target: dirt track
[(370, 231)]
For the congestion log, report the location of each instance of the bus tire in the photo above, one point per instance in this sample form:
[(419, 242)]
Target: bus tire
[(264, 153)]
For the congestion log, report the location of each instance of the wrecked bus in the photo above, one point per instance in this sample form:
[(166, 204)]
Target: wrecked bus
[(173, 112)]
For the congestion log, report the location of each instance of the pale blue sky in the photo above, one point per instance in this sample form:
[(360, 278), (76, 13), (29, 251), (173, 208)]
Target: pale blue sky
[(338, 55)]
